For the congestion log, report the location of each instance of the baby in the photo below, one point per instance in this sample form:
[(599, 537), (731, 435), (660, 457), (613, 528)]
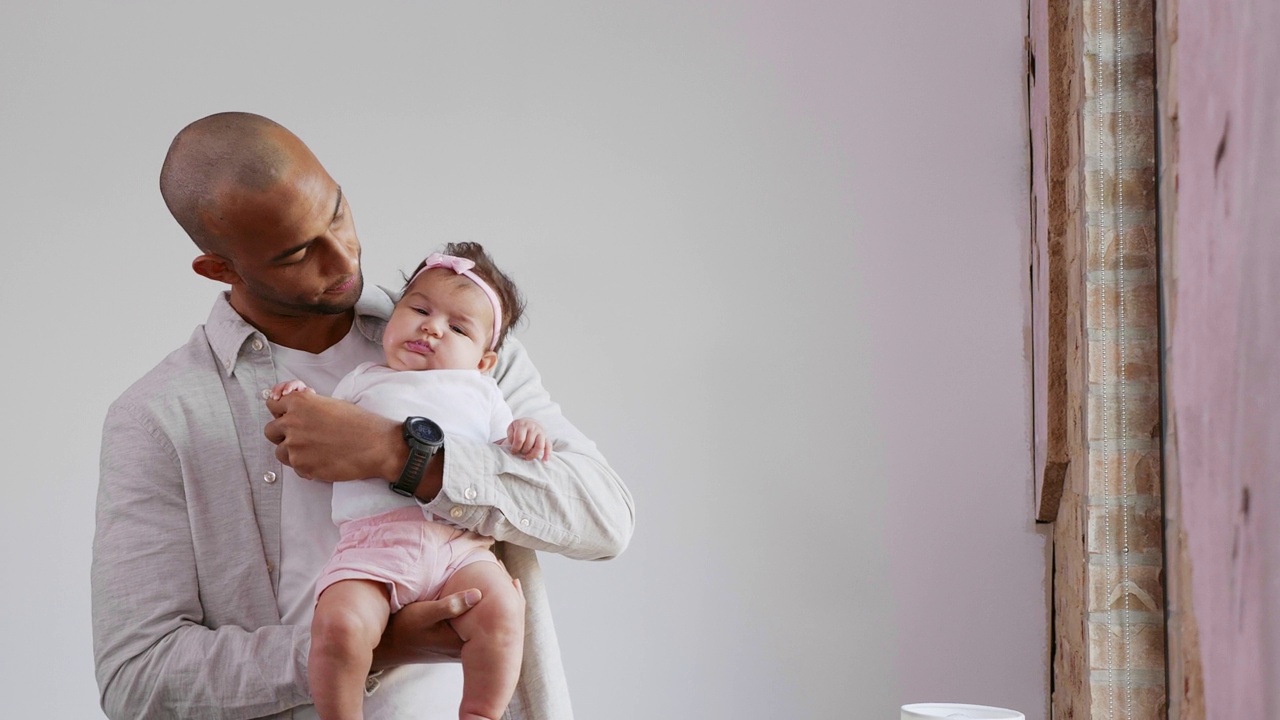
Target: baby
[(440, 343)]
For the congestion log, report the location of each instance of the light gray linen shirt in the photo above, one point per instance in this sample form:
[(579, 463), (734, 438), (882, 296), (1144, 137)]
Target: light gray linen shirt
[(186, 552)]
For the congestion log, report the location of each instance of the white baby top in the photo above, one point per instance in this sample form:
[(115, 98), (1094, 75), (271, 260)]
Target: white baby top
[(467, 403)]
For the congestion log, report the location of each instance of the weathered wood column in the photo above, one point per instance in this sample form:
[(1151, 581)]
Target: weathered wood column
[(1109, 655)]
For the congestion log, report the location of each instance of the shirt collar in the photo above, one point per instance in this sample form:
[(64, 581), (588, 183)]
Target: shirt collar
[(229, 334)]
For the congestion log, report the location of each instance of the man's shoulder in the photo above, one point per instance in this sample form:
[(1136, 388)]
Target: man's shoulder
[(513, 369), (191, 372)]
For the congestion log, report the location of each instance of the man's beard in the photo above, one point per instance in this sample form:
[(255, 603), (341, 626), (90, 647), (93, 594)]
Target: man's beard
[(324, 306)]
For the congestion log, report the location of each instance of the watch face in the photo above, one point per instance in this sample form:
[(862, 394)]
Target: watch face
[(423, 430)]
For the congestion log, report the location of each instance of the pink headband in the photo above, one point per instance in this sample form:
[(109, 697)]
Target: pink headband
[(463, 266)]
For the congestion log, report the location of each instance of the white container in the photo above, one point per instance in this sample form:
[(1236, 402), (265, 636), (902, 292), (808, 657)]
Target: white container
[(954, 711)]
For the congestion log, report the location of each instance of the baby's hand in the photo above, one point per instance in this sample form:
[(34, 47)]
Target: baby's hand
[(527, 439), (287, 387)]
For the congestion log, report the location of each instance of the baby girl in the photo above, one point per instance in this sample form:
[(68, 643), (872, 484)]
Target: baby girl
[(440, 343)]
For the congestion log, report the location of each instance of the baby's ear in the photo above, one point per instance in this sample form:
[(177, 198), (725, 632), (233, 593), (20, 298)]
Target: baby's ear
[(487, 361)]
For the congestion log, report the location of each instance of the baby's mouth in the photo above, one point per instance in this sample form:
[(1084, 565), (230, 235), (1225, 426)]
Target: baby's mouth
[(419, 346)]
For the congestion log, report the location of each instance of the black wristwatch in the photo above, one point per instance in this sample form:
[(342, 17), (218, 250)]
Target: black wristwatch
[(425, 439)]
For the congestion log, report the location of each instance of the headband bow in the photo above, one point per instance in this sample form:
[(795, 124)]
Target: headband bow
[(462, 266)]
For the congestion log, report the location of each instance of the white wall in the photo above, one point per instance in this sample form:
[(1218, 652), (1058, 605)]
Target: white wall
[(775, 253)]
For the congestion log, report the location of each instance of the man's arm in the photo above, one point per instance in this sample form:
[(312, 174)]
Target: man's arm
[(154, 654), (154, 657), (574, 504)]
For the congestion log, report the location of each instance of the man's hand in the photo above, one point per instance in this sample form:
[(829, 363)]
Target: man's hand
[(333, 440), (420, 632)]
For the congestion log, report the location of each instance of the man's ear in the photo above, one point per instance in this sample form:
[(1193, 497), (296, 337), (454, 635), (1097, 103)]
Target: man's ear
[(487, 361), (215, 267)]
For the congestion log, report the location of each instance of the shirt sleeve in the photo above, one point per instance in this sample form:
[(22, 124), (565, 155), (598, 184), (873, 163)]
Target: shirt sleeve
[(153, 657), (574, 504)]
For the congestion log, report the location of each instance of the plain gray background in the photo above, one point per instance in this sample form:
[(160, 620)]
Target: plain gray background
[(776, 257)]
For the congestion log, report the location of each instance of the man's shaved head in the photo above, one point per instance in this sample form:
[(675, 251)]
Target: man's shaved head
[(231, 150), (270, 222)]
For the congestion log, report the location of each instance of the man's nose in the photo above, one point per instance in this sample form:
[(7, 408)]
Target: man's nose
[(342, 255)]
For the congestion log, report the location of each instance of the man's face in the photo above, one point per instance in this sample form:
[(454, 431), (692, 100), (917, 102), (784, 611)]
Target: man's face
[(292, 247)]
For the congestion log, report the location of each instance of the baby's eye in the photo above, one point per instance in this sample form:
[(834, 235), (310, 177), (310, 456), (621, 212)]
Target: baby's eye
[(458, 330), (421, 311)]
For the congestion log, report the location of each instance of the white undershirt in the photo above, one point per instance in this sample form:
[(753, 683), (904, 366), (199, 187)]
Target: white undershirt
[(308, 536)]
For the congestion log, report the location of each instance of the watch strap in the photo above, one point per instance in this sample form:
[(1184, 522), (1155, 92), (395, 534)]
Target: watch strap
[(420, 453), (414, 469)]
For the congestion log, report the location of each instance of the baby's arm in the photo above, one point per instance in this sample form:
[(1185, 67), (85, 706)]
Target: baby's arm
[(527, 439), (288, 386)]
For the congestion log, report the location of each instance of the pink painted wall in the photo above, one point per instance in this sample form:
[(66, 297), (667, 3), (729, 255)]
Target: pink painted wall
[(1225, 384)]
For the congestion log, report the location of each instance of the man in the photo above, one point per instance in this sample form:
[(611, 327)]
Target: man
[(210, 534)]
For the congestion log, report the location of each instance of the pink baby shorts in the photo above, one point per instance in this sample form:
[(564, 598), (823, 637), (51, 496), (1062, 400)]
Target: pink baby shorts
[(412, 555)]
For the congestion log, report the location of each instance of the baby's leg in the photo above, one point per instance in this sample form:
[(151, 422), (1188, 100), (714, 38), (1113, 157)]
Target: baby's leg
[(492, 635), (348, 623)]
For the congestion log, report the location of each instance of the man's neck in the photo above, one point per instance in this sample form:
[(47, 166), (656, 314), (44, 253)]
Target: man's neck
[(313, 333)]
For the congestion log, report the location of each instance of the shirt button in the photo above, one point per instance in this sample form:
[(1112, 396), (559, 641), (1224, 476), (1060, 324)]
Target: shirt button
[(456, 512), (256, 344), (266, 393), (269, 477), (524, 522), (469, 493)]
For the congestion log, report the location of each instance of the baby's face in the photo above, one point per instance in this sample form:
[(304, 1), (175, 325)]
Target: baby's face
[(443, 322)]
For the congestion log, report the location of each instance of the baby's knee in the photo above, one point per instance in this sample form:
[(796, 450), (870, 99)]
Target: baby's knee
[(502, 617), (342, 630)]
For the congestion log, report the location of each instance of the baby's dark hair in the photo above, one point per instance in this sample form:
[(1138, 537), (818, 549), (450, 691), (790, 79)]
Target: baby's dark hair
[(508, 294)]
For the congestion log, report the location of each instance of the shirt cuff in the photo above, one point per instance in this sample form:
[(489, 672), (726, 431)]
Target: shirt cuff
[(470, 484)]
